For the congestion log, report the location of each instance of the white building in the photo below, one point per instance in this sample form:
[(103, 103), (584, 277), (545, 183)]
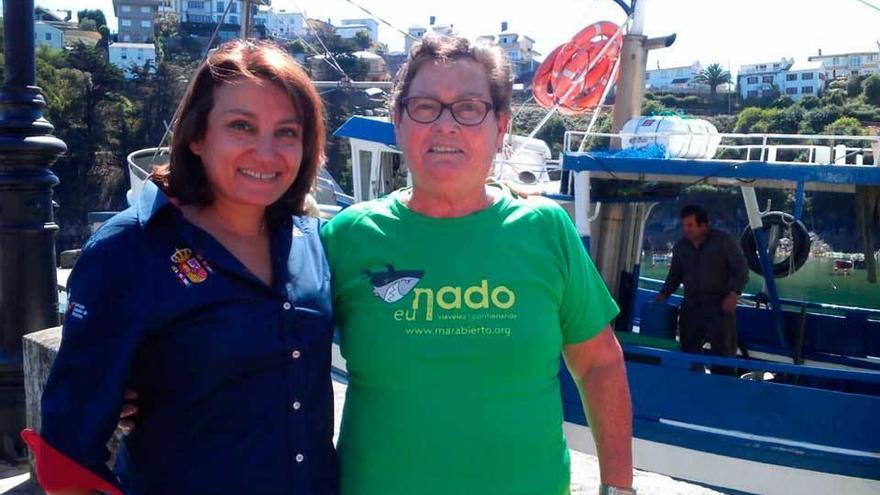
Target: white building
[(675, 79), (350, 27), (519, 49), (283, 24), (129, 55), (785, 77), (846, 64), (416, 33), (207, 13), (802, 79), (759, 80), (48, 35)]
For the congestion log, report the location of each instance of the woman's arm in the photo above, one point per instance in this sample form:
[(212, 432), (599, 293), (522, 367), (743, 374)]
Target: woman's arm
[(599, 373)]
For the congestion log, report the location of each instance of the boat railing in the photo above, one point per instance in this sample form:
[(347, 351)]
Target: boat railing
[(872, 313), (822, 149), (686, 361)]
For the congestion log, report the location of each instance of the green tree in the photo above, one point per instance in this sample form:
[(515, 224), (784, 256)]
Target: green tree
[(362, 40), (714, 75), (853, 86), (88, 25), (96, 15), (872, 89), (845, 126)]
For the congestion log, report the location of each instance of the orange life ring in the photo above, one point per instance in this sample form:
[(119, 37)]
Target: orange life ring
[(559, 80)]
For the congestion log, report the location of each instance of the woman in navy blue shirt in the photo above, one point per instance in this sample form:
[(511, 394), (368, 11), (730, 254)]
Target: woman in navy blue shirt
[(210, 297)]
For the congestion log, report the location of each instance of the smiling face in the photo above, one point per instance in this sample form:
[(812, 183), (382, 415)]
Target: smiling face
[(445, 157), (252, 147)]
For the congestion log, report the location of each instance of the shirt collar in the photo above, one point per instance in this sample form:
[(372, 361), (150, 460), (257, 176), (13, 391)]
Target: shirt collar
[(151, 201)]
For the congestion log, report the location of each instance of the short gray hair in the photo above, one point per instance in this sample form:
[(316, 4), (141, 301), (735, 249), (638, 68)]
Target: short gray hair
[(441, 49)]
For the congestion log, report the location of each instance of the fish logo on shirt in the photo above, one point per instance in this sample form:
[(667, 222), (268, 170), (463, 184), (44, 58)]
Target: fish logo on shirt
[(189, 268), (393, 285)]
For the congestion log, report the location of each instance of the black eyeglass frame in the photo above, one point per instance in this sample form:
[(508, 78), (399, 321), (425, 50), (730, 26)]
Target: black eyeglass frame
[(489, 106)]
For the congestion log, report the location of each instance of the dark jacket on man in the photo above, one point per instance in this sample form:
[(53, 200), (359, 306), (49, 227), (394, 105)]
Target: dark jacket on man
[(709, 272)]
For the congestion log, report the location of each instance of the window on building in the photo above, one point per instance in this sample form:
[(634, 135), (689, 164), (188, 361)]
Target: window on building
[(752, 80), (762, 67), (791, 77), (855, 61), (220, 7), (767, 93), (647, 76), (806, 76), (791, 91), (872, 58), (145, 10), (126, 37), (125, 8), (679, 72), (807, 90), (513, 55), (145, 24), (233, 9), (835, 61), (752, 93), (233, 19), (767, 79), (193, 4), (125, 22), (775, 66), (48, 36)]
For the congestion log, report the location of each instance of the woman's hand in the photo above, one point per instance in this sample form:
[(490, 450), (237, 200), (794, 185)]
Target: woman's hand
[(128, 414)]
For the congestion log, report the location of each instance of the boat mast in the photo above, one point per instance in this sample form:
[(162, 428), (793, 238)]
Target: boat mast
[(621, 225)]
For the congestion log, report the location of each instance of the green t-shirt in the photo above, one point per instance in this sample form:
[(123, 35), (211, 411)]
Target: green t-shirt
[(452, 331)]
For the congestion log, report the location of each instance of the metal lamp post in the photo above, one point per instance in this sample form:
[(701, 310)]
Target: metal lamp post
[(28, 291)]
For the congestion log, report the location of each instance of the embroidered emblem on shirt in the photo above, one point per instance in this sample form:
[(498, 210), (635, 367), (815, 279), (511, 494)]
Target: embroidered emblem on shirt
[(76, 310), (189, 268), (392, 285)]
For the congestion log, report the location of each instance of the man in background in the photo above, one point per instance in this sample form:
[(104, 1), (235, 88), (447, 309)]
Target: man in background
[(713, 269)]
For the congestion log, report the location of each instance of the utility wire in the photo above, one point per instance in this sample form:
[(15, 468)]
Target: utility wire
[(864, 2), (332, 64), (204, 57), (383, 21)]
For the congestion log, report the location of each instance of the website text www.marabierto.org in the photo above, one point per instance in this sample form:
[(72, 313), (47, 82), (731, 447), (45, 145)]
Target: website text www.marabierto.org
[(459, 331)]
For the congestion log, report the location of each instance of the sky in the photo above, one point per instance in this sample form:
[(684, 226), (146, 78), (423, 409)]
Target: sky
[(729, 32)]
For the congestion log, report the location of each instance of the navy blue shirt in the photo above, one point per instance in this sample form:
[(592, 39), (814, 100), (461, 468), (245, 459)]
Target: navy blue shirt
[(233, 375)]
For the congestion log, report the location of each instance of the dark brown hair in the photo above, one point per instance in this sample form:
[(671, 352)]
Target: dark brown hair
[(185, 179), (442, 49)]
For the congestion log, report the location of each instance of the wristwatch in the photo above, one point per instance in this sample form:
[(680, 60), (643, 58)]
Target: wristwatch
[(615, 490)]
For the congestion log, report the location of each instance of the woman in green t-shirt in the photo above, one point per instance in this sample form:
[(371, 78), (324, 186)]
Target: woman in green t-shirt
[(454, 300)]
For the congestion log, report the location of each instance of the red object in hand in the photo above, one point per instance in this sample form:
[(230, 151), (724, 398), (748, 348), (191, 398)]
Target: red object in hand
[(56, 471)]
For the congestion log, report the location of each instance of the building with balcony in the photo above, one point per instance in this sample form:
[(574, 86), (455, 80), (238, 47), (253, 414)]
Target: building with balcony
[(416, 33), (350, 27), (772, 79), (844, 65)]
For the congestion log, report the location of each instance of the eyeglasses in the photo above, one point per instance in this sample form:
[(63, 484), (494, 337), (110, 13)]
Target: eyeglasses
[(426, 110)]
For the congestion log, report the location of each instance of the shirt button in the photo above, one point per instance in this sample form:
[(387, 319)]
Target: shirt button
[(300, 458), (296, 406), (295, 354), (286, 306)]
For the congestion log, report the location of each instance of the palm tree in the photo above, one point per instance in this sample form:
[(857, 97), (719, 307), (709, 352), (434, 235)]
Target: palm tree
[(714, 76)]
